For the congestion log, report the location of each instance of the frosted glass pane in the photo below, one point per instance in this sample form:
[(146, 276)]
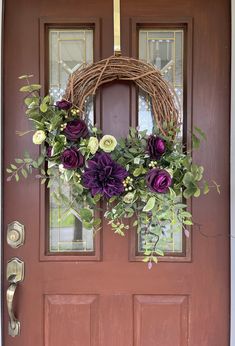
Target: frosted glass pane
[(68, 50), (163, 49), (67, 233)]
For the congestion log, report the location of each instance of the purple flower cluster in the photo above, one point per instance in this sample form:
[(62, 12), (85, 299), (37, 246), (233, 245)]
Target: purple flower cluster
[(72, 158), (104, 176)]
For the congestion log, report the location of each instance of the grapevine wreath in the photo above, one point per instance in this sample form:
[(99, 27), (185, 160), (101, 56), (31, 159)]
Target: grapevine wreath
[(141, 181)]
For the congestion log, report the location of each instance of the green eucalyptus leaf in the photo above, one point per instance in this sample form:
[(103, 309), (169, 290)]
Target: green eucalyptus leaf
[(150, 204), (159, 252), (31, 101), (57, 148), (24, 173), (43, 107), (40, 160), (188, 179), (68, 174), (206, 188), (26, 76), (96, 222), (133, 150), (87, 225), (34, 164), (28, 160), (19, 161), (195, 141), (189, 192), (86, 214), (197, 192), (188, 222), (200, 132), (138, 171), (185, 214), (97, 198), (46, 99), (197, 172), (145, 259), (30, 88)]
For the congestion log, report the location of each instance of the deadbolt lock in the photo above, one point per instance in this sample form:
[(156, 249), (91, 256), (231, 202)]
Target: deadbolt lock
[(15, 234)]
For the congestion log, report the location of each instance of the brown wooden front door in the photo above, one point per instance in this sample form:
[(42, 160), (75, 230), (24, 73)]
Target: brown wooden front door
[(78, 291)]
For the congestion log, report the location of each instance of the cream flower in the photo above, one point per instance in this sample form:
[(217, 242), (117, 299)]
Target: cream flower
[(61, 168), (39, 137), (93, 145), (108, 143)]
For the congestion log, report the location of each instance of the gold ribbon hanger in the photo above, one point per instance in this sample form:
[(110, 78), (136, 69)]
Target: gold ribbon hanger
[(117, 27)]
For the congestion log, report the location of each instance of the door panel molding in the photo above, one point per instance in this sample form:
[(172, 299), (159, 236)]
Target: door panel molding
[(61, 309), (176, 312)]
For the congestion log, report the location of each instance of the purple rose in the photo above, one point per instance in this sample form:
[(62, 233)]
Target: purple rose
[(156, 147), (158, 180), (76, 129), (49, 151), (63, 104), (72, 158), (104, 176)]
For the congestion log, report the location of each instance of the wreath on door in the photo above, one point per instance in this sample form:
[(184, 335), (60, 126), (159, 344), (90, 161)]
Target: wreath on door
[(142, 181)]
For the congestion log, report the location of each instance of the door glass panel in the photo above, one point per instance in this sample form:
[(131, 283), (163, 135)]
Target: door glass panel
[(163, 49), (171, 243), (68, 49)]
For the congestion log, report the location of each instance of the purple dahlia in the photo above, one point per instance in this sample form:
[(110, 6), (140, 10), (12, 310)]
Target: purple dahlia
[(104, 176), (156, 147)]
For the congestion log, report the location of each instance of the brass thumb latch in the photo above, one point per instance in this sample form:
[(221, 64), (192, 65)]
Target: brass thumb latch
[(15, 274)]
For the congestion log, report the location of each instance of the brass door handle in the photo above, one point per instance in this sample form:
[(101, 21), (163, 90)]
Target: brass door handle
[(15, 274), (14, 324)]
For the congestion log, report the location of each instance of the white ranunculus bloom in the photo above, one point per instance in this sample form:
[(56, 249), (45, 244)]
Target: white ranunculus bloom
[(108, 143), (93, 145), (39, 137)]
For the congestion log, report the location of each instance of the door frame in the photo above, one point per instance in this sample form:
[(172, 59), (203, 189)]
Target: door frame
[(232, 179), (232, 173)]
